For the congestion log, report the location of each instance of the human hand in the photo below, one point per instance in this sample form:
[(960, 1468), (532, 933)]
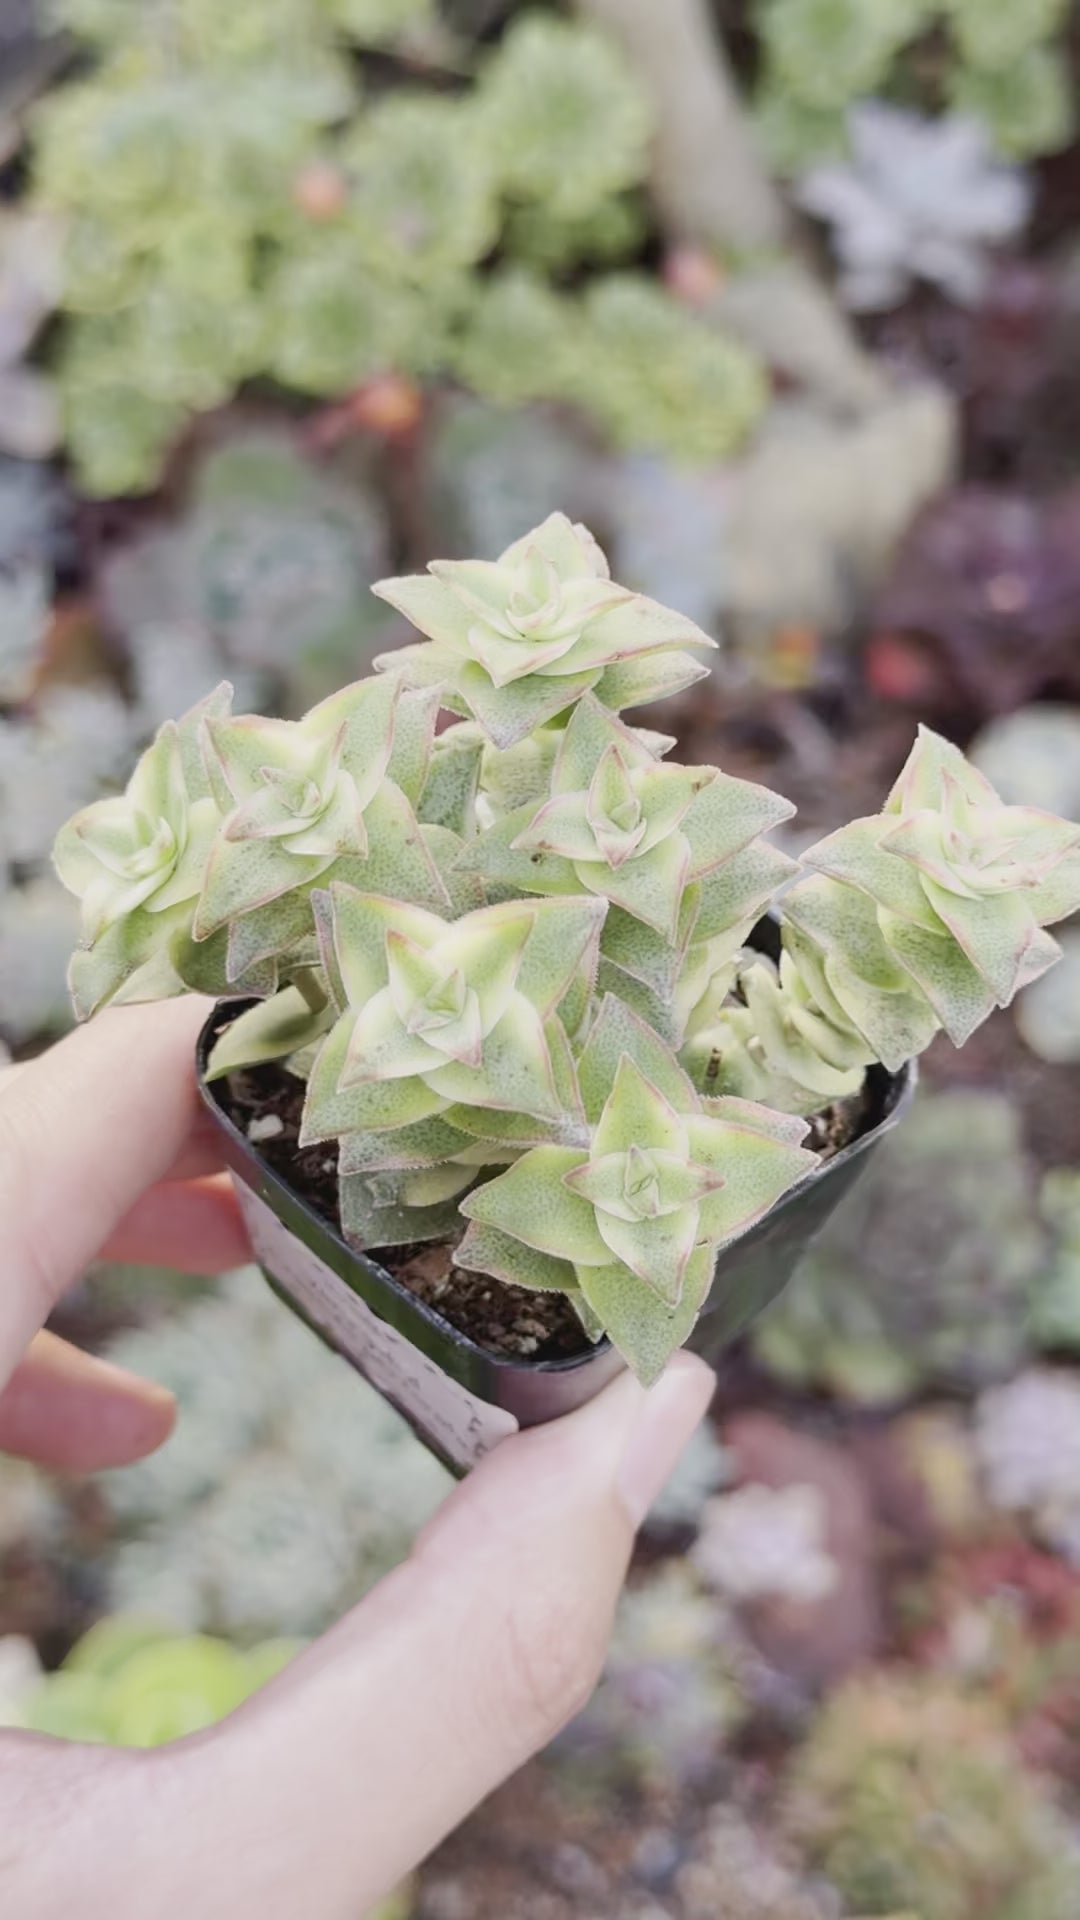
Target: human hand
[(322, 1792)]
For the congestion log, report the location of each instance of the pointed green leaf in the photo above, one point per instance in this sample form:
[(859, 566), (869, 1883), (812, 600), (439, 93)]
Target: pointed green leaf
[(532, 1203), (656, 1251), (854, 856), (636, 1115), (994, 932), (637, 683), (381, 1048), (494, 856), (424, 1144), (372, 1218), (961, 999), (636, 1320), (509, 714), (449, 795), (516, 1073), (485, 1250), (726, 816), (757, 1169), (330, 1111), (745, 885), (271, 1030), (563, 946), (649, 887), (618, 1031)]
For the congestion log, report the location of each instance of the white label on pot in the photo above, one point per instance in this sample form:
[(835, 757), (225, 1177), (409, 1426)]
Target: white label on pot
[(460, 1424)]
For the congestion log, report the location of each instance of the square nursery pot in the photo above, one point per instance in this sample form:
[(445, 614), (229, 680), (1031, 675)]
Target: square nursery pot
[(460, 1400)]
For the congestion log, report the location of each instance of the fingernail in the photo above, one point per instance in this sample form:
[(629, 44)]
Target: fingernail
[(669, 1415)]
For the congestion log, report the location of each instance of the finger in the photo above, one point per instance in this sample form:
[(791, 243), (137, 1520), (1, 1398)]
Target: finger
[(194, 1226), (84, 1131), (342, 1774), (323, 1792), (74, 1413), (200, 1152)]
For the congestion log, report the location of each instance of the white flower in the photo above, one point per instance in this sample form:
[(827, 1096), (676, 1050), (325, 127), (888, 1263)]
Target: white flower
[(920, 199), (765, 1542)]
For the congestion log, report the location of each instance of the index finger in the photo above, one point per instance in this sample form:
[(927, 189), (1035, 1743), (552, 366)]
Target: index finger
[(84, 1131)]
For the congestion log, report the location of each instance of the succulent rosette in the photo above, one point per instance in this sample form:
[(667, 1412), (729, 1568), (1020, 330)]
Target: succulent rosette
[(515, 641), (921, 918), (438, 1014), (136, 863), (631, 1218)]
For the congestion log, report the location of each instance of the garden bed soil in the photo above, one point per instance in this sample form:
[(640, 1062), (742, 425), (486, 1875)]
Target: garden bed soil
[(266, 1103)]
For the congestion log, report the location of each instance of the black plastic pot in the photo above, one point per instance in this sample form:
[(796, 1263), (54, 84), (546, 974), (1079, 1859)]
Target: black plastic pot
[(460, 1400)]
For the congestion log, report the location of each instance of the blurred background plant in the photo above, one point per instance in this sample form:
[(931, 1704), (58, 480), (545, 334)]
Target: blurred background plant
[(241, 199), (924, 1276), (1005, 65), (128, 1683), (909, 1798)]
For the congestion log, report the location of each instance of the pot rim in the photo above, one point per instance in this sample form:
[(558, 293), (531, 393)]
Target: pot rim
[(894, 1094)]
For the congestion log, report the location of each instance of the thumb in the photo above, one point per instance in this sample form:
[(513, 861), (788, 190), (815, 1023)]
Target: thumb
[(328, 1787)]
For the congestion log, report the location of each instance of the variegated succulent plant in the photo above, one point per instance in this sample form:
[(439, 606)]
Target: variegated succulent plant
[(923, 918), (510, 959)]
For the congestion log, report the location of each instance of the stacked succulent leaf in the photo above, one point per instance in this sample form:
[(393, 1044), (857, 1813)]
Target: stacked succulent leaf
[(1006, 65), (234, 207), (504, 958), (922, 918)]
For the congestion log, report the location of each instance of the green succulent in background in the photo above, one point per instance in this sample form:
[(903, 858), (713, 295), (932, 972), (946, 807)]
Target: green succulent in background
[(567, 122), (261, 573), (236, 208), (554, 242), (492, 471), (129, 1683), (661, 377), (1028, 106), (1007, 65), (423, 199), (653, 374), (908, 1796), (991, 34), (924, 1276), (828, 52), (518, 340)]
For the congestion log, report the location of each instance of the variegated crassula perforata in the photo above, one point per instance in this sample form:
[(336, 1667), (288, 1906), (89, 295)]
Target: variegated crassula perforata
[(509, 959)]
